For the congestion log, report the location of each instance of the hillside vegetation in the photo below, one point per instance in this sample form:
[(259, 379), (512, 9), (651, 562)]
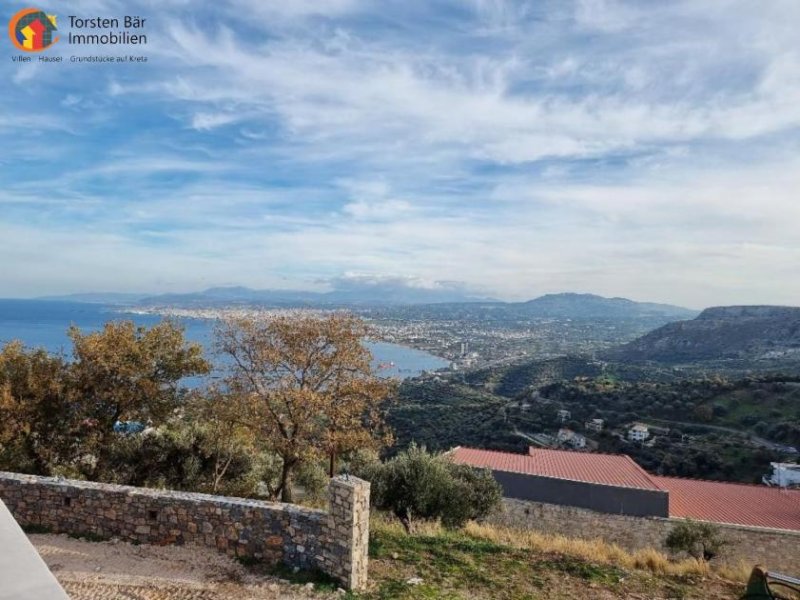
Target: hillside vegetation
[(710, 427), (754, 333), (519, 378), (443, 414)]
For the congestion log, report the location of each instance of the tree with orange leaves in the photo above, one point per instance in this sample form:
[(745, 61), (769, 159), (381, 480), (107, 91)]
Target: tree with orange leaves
[(127, 372), (307, 386)]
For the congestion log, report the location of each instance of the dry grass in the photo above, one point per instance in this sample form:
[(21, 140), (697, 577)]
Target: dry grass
[(596, 550), (736, 572), (481, 562)]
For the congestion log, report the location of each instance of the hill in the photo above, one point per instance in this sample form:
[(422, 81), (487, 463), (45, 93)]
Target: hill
[(752, 333), (521, 377), (576, 307), (376, 296), (590, 306), (511, 380)]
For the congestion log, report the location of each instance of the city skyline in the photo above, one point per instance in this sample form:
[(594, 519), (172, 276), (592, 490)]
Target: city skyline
[(503, 149)]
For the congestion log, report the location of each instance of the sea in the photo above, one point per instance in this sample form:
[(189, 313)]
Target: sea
[(44, 324)]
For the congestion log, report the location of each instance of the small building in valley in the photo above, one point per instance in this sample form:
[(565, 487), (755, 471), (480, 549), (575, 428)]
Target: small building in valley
[(569, 437), (595, 425), (638, 432)]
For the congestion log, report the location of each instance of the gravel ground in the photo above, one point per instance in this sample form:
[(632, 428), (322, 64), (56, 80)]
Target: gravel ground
[(120, 571)]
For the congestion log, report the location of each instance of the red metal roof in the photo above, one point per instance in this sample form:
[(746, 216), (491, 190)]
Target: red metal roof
[(608, 469), (734, 503), (720, 502)]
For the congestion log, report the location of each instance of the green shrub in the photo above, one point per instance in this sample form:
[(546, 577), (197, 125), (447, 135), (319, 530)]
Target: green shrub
[(176, 456), (474, 495), (418, 485), (701, 540), (313, 479)]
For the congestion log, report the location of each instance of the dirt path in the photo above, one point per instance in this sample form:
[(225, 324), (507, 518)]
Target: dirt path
[(120, 571), (756, 440)]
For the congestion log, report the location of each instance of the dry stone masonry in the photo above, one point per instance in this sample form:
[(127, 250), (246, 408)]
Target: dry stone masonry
[(334, 542), (775, 548), (347, 526)]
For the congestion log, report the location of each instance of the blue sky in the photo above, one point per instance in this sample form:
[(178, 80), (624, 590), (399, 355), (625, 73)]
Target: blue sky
[(640, 149)]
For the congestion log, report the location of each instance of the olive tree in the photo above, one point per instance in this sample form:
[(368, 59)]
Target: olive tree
[(417, 485)]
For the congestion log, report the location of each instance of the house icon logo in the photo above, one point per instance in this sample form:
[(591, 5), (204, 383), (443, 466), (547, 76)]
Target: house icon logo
[(32, 30)]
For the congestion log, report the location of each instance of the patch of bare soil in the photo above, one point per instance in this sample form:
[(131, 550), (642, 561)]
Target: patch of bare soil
[(120, 571)]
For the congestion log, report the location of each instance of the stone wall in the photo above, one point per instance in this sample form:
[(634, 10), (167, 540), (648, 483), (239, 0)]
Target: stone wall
[(348, 526), (776, 549), (334, 542)]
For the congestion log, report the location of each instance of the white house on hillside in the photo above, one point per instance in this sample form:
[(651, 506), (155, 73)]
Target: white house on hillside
[(639, 432), (783, 475), (567, 436), (594, 425)]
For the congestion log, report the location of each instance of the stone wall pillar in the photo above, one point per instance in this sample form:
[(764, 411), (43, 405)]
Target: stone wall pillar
[(345, 549)]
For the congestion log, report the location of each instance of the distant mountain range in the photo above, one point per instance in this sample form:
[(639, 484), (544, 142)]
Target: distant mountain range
[(567, 305), (280, 298), (585, 306), (721, 333)]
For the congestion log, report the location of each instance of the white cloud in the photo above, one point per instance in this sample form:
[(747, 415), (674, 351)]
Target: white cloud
[(204, 121), (609, 16), (380, 210), (364, 93), (296, 9), (518, 147)]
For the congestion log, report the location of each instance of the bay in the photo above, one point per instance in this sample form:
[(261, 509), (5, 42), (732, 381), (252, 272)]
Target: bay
[(44, 324)]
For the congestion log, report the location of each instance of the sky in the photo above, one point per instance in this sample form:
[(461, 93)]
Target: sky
[(640, 149)]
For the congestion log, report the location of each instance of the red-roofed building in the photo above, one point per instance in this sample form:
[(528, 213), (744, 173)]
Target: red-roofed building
[(609, 469), (733, 503), (616, 484), (611, 483)]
